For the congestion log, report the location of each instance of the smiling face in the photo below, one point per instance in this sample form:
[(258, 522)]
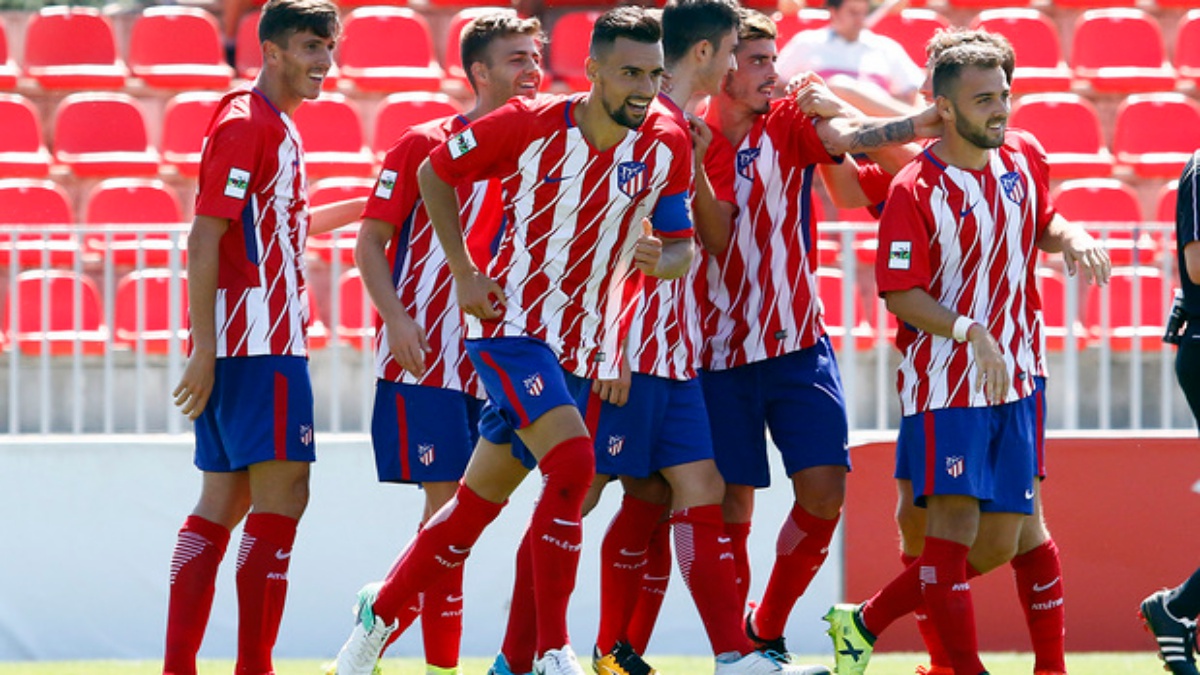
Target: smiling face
[(301, 64), (977, 106), (752, 84), (512, 67), (626, 78)]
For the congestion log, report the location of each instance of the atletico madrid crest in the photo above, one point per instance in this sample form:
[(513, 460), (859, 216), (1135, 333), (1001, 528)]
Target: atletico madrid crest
[(745, 162), (534, 384), (955, 466), (1013, 186), (425, 453), (631, 178), (615, 443)]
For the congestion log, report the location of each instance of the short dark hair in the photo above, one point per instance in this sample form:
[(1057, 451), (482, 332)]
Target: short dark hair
[(479, 33), (281, 18), (687, 22), (948, 66), (947, 38), (754, 25), (630, 22)]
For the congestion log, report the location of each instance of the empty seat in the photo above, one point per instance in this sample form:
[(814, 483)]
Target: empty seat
[(30, 205), (133, 201), (912, 28), (340, 241), (808, 18), (1129, 327), (1155, 134), (982, 4), (185, 120), (1052, 288), (399, 112), (1165, 206), (22, 153), (355, 322), (1035, 40), (142, 311), (452, 57), (333, 138), (46, 303), (103, 134), (248, 59), (73, 48), (1120, 50), (1187, 46), (388, 49), (9, 72), (1069, 129), (175, 47), (569, 40), (1112, 202)]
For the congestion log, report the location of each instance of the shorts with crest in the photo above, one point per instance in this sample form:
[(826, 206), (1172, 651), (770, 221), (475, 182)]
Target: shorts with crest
[(422, 434)]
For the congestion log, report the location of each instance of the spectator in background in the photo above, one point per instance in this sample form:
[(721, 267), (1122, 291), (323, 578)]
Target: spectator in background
[(869, 71), (232, 12)]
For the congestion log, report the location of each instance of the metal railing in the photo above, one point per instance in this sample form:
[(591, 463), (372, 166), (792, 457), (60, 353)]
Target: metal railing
[(108, 361)]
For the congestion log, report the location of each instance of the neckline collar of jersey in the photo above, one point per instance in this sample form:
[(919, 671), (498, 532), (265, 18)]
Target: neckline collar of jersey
[(263, 96)]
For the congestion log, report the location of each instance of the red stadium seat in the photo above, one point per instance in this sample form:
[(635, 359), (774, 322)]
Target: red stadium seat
[(787, 25), (333, 138), (327, 191), (103, 134), (249, 52), (1034, 38), (1167, 196), (54, 293), (1052, 287), (1120, 50), (1069, 129), (9, 72), (35, 203), (912, 28), (1187, 46), (73, 48), (356, 320), (985, 4), (398, 112), (1129, 329), (143, 310), (175, 47), (569, 41), (388, 49), (185, 120), (1155, 134), (1177, 4), (1110, 201), (452, 57), (22, 153), (133, 201)]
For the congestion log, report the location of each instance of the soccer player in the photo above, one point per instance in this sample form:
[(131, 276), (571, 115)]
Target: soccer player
[(956, 267), (246, 384), (1170, 614), (582, 176), (767, 361), (427, 397)]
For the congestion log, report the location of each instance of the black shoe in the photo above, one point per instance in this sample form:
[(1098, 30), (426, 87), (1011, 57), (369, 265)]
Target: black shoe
[(776, 648), (1176, 637), (622, 660)]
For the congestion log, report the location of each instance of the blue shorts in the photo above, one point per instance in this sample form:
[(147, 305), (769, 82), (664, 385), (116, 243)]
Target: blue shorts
[(797, 396), (261, 409), (523, 380), (422, 434), (1039, 393), (663, 424), (987, 453)]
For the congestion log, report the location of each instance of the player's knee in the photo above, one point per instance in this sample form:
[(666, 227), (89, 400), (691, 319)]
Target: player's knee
[(987, 555), (571, 465), (911, 522)]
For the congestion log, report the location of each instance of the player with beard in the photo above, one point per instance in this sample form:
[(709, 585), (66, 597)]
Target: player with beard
[(582, 178)]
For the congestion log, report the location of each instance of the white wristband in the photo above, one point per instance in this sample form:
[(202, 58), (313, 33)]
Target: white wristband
[(961, 325)]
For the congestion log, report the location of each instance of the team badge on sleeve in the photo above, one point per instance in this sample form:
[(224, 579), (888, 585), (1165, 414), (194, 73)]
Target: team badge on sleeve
[(900, 255), (237, 183), (631, 178), (462, 144), (386, 184), (745, 162), (1013, 186)]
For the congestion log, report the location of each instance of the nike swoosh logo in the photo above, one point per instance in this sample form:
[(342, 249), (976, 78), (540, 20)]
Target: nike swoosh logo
[(723, 540), (966, 212), (459, 551), (1038, 588), (454, 598), (281, 555), (633, 554), (556, 179), (1029, 494)]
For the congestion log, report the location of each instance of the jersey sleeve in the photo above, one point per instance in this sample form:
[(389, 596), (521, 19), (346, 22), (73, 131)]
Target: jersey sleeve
[(875, 182), (902, 259), (800, 132), (719, 163), (1039, 168), (1187, 220), (485, 148), (229, 165), (672, 218), (396, 191)]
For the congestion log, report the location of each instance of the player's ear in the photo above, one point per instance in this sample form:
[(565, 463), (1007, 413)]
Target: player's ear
[(592, 68), (270, 51), (479, 71), (944, 107)]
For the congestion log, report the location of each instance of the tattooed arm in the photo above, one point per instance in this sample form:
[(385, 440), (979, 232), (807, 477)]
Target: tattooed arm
[(842, 135)]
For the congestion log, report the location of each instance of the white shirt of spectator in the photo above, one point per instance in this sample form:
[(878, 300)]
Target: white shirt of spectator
[(875, 58)]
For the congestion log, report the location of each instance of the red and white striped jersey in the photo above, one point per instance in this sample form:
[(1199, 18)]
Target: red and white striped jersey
[(419, 272), (252, 173), (573, 215), (968, 239), (762, 290)]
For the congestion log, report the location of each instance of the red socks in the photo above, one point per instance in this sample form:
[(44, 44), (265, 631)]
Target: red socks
[(1038, 574), (739, 535), (655, 579), (441, 619), (933, 644), (901, 596), (943, 576), (439, 547), (706, 564), (262, 567), (556, 535), (800, 550), (623, 559), (520, 636), (199, 548)]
